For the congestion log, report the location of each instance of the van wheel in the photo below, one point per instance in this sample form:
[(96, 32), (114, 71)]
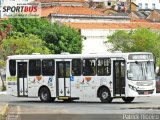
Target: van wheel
[(45, 95), (128, 99), (105, 95)]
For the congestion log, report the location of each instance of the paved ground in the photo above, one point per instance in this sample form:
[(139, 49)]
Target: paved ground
[(1, 107), (84, 107), (33, 109)]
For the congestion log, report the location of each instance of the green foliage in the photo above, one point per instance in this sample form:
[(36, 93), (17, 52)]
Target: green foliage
[(3, 88), (3, 24), (2, 64), (120, 41), (19, 43), (59, 38), (63, 39), (140, 40)]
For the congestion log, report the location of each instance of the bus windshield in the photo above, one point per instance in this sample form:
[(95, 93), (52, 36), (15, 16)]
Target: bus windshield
[(142, 71)]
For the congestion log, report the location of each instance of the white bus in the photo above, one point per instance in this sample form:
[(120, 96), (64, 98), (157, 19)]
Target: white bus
[(85, 77)]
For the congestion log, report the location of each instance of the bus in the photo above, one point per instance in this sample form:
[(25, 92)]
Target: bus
[(84, 77)]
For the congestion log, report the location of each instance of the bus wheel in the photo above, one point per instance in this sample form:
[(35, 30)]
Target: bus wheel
[(128, 99), (105, 95), (45, 95)]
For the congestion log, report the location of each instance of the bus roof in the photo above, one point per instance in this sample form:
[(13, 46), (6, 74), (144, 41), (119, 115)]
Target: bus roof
[(70, 56)]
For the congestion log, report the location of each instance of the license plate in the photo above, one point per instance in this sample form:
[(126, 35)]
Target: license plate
[(146, 93)]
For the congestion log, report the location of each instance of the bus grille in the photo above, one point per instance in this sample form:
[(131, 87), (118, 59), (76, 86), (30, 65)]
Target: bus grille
[(145, 92), (146, 83)]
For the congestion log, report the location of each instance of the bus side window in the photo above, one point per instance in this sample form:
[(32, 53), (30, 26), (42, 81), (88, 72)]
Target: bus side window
[(35, 67), (12, 67), (104, 67), (89, 66), (76, 67), (48, 67)]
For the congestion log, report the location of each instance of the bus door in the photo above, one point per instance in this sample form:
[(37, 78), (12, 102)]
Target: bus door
[(118, 78), (63, 78), (22, 83)]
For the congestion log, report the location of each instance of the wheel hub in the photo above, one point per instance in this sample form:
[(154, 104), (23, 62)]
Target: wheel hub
[(104, 95), (44, 95)]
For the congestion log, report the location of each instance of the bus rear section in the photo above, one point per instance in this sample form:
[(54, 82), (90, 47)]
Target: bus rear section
[(17, 78), (31, 78)]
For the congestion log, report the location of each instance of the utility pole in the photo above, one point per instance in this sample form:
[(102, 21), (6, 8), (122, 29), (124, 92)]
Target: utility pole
[(130, 6)]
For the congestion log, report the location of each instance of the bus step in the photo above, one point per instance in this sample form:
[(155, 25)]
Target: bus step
[(63, 98)]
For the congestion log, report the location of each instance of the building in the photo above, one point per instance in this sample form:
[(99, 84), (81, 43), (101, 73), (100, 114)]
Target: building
[(133, 6), (107, 3), (80, 14), (96, 33), (148, 4), (14, 2), (139, 15), (93, 24), (70, 15), (62, 2), (154, 16)]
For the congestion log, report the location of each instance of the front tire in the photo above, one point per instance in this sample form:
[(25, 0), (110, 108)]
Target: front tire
[(45, 95), (105, 95), (128, 99)]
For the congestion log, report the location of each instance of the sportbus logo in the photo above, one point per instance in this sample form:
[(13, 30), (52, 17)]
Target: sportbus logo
[(21, 10)]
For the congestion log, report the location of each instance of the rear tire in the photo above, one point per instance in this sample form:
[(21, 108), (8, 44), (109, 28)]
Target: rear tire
[(105, 95), (45, 95), (128, 99)]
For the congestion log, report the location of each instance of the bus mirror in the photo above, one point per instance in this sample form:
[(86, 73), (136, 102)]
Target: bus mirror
[(130, 75)]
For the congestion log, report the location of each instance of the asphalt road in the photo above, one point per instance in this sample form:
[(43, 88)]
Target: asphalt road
[(143, 108)]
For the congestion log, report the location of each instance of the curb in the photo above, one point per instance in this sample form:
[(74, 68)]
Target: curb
[(4, 111)]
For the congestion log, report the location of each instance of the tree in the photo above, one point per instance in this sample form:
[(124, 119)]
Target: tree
[(120, 41), (139, 40), (2, 66), (63, 39), (4, 30), (58, 37), (20, 43)]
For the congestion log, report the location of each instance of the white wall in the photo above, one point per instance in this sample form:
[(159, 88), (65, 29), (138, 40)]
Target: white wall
[(14, 2), (89, 20), (150, 2), (96, 40)]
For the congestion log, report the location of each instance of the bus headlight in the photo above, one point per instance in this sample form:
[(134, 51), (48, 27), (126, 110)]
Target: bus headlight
[(132, 87)]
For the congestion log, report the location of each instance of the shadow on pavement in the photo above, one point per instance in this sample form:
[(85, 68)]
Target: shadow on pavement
[(74, 102)]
